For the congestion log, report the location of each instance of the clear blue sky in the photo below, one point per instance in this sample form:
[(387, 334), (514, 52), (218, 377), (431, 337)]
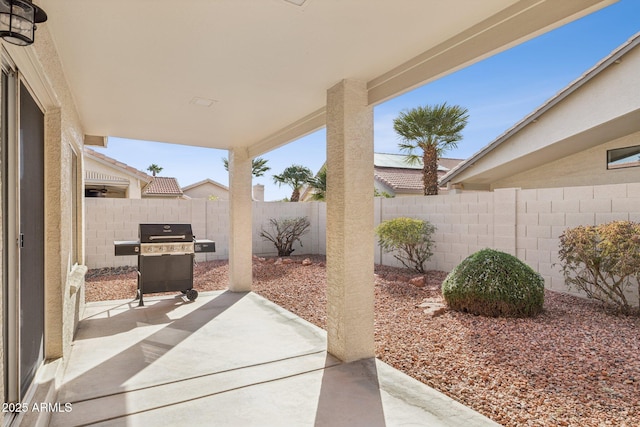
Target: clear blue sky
[(498, 92)]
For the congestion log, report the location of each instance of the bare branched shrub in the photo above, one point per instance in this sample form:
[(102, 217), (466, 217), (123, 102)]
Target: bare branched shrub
[(285, 232), (603, 261)]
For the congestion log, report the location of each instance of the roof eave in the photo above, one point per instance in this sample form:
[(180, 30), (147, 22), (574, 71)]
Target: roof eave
[(603, 64)]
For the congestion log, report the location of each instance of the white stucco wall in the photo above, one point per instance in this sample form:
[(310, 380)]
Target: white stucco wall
[(38, 65), (603, 110), (134, 188), (587, 167), (64, 136), (207, 189)]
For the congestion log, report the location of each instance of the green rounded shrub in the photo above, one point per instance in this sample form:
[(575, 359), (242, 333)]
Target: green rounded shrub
[(409, 239), (494, 283)]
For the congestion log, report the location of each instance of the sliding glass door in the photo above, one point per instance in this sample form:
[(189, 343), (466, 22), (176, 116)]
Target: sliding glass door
[(22, 135)]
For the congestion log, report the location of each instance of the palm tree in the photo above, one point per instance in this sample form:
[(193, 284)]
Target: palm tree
[(295, 176), (319, 184), (434, 130), (154, 169), (258, 166)]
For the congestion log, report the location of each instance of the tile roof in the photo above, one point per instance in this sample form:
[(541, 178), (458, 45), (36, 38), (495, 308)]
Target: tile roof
[(407, 179), (162, 186)]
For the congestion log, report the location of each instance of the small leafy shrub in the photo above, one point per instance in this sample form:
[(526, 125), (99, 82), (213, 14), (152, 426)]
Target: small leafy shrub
[(285, 232), (603, 261), (410, 239), (494, 283)]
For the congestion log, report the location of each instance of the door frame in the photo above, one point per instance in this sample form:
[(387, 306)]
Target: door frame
[(11, 203)]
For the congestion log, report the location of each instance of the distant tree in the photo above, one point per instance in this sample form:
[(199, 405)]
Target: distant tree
[(433, 130), (319, 185), (295, 176), (154, 169), (258, 166)]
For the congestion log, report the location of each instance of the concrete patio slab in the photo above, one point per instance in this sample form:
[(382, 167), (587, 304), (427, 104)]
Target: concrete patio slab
[(231, 359)]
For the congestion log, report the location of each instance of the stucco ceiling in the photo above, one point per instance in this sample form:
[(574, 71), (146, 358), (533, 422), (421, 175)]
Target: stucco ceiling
[(148, 69)]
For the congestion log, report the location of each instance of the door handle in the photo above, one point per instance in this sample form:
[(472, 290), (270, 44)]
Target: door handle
[(21, 240)]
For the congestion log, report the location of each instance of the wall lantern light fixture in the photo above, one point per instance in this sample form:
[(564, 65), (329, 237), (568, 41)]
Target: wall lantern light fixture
[(18, 19)]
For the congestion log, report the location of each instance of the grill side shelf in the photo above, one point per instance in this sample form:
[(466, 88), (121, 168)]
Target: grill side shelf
[(204, 246), (126, 247)]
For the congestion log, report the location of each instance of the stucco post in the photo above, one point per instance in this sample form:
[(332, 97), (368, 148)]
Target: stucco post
[(56, 198), (350, 239), (240, 221)]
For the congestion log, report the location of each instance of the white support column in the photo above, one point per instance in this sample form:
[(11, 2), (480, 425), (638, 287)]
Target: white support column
[(240, 221), (350, 235)]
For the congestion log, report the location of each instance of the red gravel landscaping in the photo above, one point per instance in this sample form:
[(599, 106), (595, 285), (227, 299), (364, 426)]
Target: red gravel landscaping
[(573, 365)]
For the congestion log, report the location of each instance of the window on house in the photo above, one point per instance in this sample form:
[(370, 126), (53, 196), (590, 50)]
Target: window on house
[(623, 157)]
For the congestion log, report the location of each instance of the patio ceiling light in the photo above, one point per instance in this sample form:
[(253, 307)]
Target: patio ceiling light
[(18, 19)]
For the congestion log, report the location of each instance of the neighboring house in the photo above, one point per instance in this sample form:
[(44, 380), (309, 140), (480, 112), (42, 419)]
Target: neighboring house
[(107, 177), (212, 190), (393, 175), (207, 189), (587, 134), (163, 187)]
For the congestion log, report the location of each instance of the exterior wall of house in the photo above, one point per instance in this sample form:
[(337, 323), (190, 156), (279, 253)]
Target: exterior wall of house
[(64, 241), (612, 94), (526, 223), (64, 139), (134, 190), (588, 167), (207, 189)]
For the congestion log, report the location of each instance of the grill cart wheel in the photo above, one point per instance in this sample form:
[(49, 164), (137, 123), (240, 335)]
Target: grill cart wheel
[(192, 294)]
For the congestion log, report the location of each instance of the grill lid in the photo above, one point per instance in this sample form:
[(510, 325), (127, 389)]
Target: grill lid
[(158, 233)]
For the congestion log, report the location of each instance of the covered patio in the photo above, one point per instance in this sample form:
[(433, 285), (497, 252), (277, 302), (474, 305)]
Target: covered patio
[(247, 77), (252, 76), (232, 359)]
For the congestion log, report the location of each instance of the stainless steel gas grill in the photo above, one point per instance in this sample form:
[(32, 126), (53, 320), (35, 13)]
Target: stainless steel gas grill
[(166, 254)]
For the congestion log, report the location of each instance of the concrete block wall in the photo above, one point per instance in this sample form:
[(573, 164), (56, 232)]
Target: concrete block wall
[(465, 223), (525, 223), (264, 212), (544, 214), (108, 220)]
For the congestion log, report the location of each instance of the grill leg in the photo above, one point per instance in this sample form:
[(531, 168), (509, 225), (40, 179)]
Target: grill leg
[(139, 296)]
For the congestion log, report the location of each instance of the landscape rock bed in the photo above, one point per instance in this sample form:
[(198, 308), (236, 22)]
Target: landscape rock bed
[(572, 365)]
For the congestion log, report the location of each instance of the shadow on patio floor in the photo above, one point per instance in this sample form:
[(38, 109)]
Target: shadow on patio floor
[(231, 359)]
